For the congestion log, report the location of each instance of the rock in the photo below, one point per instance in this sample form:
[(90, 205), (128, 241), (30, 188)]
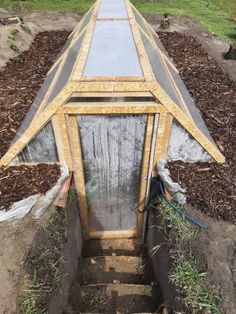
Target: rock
[(231, 54), (165, 23)]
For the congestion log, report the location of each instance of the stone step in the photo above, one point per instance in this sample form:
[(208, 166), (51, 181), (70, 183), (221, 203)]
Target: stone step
[(113, 298), (109, 246), (112, 269)]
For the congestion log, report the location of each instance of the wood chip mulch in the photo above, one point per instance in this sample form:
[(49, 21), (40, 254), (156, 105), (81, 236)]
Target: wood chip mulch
[(20, 81), (19, 182), (211, 187)]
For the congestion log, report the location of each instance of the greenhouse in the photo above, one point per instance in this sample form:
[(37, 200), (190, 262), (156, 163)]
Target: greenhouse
[(111, 107)]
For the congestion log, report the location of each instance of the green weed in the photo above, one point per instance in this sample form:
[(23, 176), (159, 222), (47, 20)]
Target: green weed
[(189, 282), (14, 47)]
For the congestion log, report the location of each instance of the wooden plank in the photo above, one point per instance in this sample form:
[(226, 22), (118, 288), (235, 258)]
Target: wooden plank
[(114, 94), (144, 174), (80, 64), (166, 135), (113, 234), (160, 140), (112, 109), (112, 87), (61, 199), (147, 70), (187, 123), (79, 174), (112, 78), (62, 140)]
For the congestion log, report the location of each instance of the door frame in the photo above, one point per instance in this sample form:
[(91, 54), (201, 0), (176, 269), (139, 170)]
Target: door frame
[(79, 177)]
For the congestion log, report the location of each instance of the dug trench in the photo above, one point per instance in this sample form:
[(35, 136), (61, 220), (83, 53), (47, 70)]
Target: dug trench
[(111, 275)]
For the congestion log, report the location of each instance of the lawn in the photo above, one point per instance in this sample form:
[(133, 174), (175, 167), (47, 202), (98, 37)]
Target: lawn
[(218, 16)]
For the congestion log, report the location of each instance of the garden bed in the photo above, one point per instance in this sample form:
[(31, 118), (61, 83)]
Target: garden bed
[(19, 182), (20, 80), (211, 187)]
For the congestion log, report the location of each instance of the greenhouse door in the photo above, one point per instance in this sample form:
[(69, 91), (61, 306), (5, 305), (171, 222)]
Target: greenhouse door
[(107, 154)]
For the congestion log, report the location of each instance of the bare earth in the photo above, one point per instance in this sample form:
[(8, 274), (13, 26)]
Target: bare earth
[(218, 246)]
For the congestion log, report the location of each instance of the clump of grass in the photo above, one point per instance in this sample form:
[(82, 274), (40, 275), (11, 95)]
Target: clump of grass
[(43, 265), (189, 282), (14, 47), (171, 220)]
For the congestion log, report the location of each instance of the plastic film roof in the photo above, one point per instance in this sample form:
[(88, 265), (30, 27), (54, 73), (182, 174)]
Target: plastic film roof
[(114, 41)]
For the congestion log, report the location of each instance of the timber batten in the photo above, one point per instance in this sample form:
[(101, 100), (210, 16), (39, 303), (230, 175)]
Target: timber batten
[(132, 93)]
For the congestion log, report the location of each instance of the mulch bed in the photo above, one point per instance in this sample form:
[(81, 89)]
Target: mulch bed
[(19, 182), (20, 80), (211, 187)]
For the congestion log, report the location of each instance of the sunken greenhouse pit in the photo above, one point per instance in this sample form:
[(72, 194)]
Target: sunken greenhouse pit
[(19, 182), (211, 187), (21, 79)]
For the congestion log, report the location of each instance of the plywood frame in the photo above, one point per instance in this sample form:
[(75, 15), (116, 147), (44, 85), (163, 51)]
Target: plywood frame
[(79, 178)]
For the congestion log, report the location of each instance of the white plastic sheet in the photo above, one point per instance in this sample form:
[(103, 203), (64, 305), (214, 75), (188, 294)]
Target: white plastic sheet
[(173, 187), (40, 203)]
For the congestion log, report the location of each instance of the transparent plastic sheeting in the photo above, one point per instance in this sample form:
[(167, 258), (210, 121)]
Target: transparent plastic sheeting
[(42, 148), (37, 101), (160, 71), (66, 71), (195, 113), (112, 149), (112, 9), (140, 21), (60, 83), (182, 146), (112, 51)]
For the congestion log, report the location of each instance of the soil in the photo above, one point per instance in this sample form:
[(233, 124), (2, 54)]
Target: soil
[(22, 40), (19, 182), (211, 187), (14, 246), (20, 80), (215, 253)]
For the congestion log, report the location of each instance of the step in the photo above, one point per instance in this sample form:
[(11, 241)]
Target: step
[(109, 246), (106, 269), (108, 298)]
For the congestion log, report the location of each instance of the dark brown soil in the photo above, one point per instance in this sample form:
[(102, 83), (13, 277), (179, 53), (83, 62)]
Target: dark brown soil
[(19, 182), (20, 80), (211, 187)]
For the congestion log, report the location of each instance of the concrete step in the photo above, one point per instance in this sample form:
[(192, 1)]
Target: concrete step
[(113, 298), (112, 269), (109, 246)]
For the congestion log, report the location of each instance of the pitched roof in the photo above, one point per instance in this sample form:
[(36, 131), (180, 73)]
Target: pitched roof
[(113, 44)]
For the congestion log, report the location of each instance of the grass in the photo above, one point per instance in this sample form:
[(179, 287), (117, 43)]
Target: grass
[(44, 267), (189, 282), (218, 16)]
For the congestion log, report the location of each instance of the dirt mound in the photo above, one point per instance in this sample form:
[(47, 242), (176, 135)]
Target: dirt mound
[(19, 182), (212, 187), (12, 44), (21, 79)]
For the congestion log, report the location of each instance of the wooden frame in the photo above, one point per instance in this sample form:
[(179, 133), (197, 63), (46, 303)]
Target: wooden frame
[(80, 182)]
